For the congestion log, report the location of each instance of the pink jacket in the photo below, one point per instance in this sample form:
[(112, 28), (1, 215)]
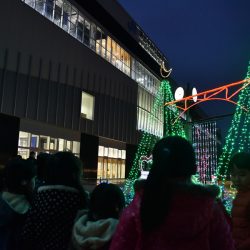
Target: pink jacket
[(194, 223)]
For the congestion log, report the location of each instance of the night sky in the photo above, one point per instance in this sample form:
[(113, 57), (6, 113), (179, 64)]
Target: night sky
[(206, 42)]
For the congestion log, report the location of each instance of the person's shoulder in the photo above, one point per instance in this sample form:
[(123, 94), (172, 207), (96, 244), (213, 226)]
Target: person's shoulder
[(206, 191)]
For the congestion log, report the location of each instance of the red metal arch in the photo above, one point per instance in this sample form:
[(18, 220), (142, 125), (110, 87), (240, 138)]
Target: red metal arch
[(210, 95)]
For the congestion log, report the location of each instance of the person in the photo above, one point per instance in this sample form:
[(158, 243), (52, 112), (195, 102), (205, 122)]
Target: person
[(41, 162), (139, 185), (172, 212), (240, 175), (15, 201), (32, 157), (50, 220), (94, 228)]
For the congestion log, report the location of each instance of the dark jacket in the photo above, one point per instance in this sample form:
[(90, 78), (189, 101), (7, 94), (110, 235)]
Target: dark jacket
[(12, 218), (51, 217)]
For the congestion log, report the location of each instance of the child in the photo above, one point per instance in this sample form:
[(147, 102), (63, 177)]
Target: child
[(18, 180), (50, 220), (94, 228), (240, 174), (171, 212)]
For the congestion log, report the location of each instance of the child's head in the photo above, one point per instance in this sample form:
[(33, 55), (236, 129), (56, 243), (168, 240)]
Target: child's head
[(18, 176), (173, 157), (106, 201), (240, 170), (63, 168), (42, 162)]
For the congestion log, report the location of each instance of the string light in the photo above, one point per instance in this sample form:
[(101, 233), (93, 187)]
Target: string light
[(205, 145)]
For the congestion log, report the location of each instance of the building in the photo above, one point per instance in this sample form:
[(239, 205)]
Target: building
[(79, 76)]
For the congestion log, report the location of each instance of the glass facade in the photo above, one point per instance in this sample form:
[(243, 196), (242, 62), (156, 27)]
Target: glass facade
[(65, 15), (149, 120), (40, 143), (111, 163)]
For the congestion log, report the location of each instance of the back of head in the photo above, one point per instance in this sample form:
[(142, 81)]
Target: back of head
[(173, 157), (32, 154), (106, 201), (63, 168), (42, 162), (240, 160), (173, 160), (17, 175)]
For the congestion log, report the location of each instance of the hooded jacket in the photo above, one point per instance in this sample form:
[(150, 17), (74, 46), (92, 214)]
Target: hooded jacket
[(13, 210), (195, 222), (90, 235)]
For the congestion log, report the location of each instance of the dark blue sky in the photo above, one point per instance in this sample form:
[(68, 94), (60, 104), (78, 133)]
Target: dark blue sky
[(207, 42)]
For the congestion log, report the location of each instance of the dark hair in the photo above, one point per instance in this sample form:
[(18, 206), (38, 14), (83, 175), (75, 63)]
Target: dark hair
[(64, 168), (173, 158), (240, 160), (32, 154), (139, 185), (17, 174), (106, 201), (42, 162)]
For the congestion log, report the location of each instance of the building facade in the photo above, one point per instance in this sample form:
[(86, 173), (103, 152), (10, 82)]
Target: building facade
[(78, 76)]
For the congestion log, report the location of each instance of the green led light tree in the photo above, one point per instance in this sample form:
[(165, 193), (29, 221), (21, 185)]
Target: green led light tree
[(172, 125), (238, 137)]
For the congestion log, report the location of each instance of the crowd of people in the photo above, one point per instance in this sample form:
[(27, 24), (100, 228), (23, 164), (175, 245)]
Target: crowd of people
[(44, 206)]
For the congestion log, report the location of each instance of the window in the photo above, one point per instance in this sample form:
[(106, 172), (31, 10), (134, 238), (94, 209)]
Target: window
[(41, 143), (87, 32), (87, 108), (79, 28), (70, 19), (111, 163), (58, 12)]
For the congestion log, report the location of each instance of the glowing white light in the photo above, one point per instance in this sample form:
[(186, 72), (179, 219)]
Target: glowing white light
[(179, 93), (194, 92)]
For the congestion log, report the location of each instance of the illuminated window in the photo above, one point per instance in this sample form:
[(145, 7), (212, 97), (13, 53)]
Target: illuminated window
[(87, 107), (111, 163), (41, 143)]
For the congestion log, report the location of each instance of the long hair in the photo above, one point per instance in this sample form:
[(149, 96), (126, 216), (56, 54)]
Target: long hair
[(173, 158)]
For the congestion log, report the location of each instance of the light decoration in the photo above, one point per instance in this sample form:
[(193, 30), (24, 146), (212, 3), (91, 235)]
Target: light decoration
[(238, 137), (218, 94), (179, 93), (145, 164), (148, 140), (205, 146), (164, 72)]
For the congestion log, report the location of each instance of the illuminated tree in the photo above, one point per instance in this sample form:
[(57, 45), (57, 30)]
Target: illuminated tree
[(238, 137), (171, 126)]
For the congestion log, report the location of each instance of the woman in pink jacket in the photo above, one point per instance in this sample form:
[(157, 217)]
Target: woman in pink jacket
[(172, 213)]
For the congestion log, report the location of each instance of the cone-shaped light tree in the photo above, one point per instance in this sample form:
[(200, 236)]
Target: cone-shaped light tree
[(171, 126), (238, 137)]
